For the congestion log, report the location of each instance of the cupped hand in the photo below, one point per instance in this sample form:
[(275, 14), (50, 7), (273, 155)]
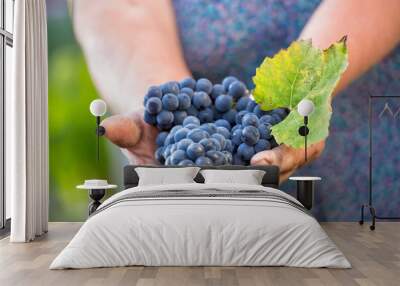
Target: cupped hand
[(288, 159), (135, 137)]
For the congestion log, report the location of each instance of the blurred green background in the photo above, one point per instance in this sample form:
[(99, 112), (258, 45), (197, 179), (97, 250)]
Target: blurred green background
[(71, 126)]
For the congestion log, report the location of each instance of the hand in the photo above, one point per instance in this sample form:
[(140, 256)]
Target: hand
[(133, 135), (288, 159)]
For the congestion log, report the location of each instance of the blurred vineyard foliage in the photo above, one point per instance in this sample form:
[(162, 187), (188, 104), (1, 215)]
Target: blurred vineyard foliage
[(71, 126)]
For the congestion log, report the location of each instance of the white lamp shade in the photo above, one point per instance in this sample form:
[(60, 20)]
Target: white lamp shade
[(98, 107), (305, 107)]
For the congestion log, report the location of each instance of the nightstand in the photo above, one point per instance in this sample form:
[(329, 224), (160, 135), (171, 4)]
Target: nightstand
[(305, 190), (97, 190)]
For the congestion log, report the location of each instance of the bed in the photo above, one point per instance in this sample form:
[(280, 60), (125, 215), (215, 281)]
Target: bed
[(198, 224)]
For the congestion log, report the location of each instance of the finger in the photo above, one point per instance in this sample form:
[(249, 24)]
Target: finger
[(282, 156), (122, 130), (287, 158)]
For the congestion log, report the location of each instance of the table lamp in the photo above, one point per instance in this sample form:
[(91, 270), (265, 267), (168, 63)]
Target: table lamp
[(98, 108), (305, 108)]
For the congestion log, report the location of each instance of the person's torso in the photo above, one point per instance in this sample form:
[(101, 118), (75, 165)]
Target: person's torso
[(232, 37)]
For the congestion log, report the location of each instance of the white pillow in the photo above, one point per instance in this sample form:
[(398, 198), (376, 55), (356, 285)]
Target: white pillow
[(247, 177), (166, 176)]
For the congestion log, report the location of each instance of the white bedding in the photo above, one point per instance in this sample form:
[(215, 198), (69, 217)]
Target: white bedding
[(223, 231)]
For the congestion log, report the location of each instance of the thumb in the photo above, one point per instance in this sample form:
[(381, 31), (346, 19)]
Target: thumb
[(122, 130), (268, 157)]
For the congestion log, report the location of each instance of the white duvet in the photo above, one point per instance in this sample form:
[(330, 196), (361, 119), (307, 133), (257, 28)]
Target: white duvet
[(192, 231)]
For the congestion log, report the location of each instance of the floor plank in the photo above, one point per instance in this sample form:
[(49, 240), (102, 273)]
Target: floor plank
[(375, 257)]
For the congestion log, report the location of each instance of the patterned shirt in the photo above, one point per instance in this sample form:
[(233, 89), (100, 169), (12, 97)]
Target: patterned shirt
[(232, 37)]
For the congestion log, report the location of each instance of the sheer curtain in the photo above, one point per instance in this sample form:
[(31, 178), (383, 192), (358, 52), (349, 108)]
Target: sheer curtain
[(27, 125)]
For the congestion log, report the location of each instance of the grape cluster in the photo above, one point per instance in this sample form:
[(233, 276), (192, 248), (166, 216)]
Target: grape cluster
[(205, 124)]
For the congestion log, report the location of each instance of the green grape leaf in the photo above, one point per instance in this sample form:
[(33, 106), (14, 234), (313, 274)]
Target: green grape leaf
[(301, 71)]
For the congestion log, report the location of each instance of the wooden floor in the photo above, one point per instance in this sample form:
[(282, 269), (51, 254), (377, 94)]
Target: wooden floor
[(375, 257)]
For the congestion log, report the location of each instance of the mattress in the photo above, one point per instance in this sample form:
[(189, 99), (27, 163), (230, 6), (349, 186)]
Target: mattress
[(201, 225)]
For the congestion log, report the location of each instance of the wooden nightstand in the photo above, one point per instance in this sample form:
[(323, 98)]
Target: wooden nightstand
[(305, 190)]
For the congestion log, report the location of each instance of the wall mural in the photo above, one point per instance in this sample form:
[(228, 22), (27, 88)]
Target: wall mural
[(212, 120)]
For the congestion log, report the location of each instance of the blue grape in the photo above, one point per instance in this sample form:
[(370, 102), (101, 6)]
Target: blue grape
[(266, 119), (184, 101), (240, 115), (159, 155), (237, 136), (237, 89), (229, 146), (259, 112), (237, 126), (227, 81), (251, 105), (186, 163), (187, 91), (170, 102), (203, 161), (191, 120), (174, 147), (262, 145), (192, 111), (210, 128), (163, 127), (281, 112), (237, 160), (246, 151), (168, 161), (178, 156), (276, 119), (223, 123), (250, 135), (210, 144), (224, 132), (217, 157), (242, 103), (181, 134), (223, 103), (201, 100), (165, 117), (154, 105), (153, 91), (191, 126), (179, 116), (205, 85), (220, 138), (230, 116), (167, 151), (169, 140), (205, 115), (184, 144), (195, 150), (187, 83), (216, 144), (161, 138), (149, 118), (174, 129), (197, 134), (265, 131), (217, 90), (228, 157), (250, 119), (170, 87)]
